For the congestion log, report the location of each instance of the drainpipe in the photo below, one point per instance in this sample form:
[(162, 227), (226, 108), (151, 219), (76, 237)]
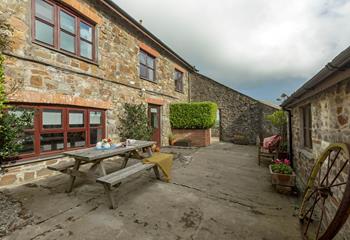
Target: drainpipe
[(290, 136)]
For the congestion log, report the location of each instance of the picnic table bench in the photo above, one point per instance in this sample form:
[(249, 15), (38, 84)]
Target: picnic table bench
[(97, 157)]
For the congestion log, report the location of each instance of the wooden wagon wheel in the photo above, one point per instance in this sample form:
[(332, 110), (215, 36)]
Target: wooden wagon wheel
[(327, 191)]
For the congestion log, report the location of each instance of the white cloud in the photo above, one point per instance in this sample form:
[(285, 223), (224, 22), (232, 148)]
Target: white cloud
[(247, 44)]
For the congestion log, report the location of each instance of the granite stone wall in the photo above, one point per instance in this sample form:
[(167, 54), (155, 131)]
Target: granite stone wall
[(330, 110), (48, 76), (242, 117)]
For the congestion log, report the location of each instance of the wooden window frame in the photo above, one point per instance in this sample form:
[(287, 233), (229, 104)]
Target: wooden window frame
[(307, 126), (179, 87), (56, 25), (148, 56), (38, 129)]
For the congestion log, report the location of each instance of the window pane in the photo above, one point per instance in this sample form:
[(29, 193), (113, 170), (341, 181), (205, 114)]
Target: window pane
[(150, 61), (143, 58), (150, 74), (43, 32), (19, 112), (178, 75), (76, 119), (95, 135), (27, 143), (85, 49), (76, 139), (44, 10), (85, 31), (67, 42), (51, 142), (95, 118), (154, 118), (178, 85), (143, 71), (67, 22), (52, 118)]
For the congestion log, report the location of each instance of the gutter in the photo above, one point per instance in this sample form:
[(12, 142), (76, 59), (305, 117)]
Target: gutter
[(337, 64), (120, 12)]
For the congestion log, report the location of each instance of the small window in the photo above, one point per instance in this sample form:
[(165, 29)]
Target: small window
[(28, 136), (307, 126), (96, 127), (52, 118), (76, 119), (178, 80), (60, 28), (147, 66), (67, 32)]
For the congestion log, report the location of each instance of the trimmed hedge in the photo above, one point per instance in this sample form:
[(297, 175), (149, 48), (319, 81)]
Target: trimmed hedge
[(196, 115)]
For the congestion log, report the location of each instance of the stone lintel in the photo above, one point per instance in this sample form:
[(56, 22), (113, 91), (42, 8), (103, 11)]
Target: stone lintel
[(55, 98)]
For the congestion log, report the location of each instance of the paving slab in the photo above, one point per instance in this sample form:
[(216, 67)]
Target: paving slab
[(217, 192)]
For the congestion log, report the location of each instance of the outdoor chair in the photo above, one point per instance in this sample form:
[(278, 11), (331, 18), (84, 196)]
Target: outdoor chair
[(269, 148)]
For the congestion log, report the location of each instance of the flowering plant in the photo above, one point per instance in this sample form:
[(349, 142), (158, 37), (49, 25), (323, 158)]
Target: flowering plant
[(107, 140), (282, 166)]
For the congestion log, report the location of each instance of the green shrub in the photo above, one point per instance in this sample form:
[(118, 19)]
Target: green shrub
[(278, 119), (196, 115), (134, 123), (12, 132)]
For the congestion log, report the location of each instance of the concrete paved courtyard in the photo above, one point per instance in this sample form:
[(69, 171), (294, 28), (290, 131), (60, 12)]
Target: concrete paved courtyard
[(220, 193)]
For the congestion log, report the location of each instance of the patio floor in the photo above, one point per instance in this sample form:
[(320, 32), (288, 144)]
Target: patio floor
[(220, 193)]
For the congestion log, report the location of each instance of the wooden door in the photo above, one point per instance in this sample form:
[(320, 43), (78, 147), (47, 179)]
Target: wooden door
[(154, 122)]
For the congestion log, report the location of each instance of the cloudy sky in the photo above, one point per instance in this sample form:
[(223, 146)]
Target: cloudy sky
[(259, 47)]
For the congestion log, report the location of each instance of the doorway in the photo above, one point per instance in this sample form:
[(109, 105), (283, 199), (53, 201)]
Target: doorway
[(154, 122), (216, 129)]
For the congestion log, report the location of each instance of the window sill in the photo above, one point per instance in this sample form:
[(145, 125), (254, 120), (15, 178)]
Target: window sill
[(65, 53), (145, 79), (180, 91)]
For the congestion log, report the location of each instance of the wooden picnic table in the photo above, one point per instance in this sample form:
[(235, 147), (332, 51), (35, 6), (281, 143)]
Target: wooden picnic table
[(96, 157)]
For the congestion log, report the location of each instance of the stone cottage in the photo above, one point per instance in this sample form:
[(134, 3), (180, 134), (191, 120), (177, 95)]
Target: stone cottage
[(240, 118), (320, 115), (77, 62)]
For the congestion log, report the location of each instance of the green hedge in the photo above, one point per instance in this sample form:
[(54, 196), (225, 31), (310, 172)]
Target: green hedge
[(196, 115)]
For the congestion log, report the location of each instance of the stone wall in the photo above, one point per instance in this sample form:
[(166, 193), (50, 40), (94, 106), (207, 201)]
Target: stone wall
[(49, 76), (240, 115), (330, 111)]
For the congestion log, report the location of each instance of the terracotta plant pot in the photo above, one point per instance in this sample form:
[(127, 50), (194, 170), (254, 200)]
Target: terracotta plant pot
[(280, 179)]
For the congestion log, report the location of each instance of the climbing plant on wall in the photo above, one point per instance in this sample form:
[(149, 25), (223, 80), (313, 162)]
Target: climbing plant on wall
[(5, 42), (12, 124), (134, 122)]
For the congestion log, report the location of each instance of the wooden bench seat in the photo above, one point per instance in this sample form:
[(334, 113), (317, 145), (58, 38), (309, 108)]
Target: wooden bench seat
[(117, 177), (61, 167)]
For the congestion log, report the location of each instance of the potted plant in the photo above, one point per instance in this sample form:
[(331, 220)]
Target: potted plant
[(171, 139), (282, 174)]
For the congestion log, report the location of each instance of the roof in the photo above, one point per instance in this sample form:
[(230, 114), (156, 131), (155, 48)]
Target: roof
[(270, 104), (117, 10), (339, 63)]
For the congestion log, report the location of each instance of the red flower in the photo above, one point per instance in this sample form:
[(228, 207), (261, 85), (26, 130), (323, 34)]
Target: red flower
[(286, 161)]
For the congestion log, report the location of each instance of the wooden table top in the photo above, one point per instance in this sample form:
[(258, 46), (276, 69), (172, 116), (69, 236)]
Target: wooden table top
[(91, 154)]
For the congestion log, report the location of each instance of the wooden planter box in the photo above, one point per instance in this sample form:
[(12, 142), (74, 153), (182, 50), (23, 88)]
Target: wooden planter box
[(284, 180), (197, 137)]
